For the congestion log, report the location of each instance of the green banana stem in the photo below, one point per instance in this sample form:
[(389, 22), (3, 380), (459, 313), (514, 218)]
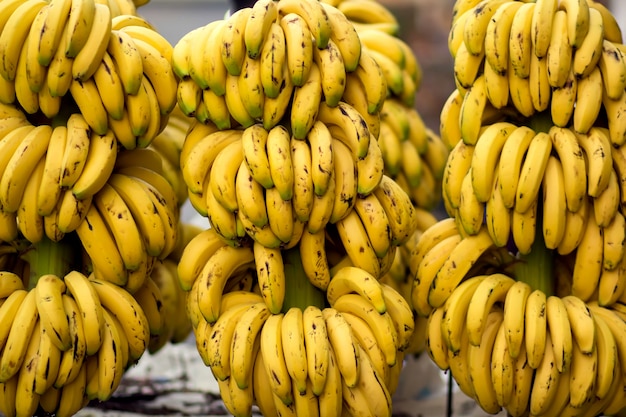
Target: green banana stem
[(299, 292), (49, 257)]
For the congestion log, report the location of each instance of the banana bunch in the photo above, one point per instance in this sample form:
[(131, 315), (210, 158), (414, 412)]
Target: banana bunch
[(510, 343), (345, 354), (96, 58), (563, 58), (65, 341), (522, 286)]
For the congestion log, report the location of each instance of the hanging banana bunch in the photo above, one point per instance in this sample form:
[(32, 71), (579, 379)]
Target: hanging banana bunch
[(523, 286)]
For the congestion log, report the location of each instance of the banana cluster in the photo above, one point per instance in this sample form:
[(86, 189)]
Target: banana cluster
[(95, 58), (507, 344), (563, 58), (70, 339), (321, 360)]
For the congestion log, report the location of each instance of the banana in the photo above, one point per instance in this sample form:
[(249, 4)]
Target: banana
[(399, 209), (612, 62), (608, 361), (479, 364), (510, 162), (330, 400), (502, 368), (606, 205), (583, 376), (292, 333), (542, 23), (14, 36), (345, 351), (332, 77), (279, 213), (303, 193), (250, 87), (53, 320), (455, 313), (271, 345), (197, 162), (245, 336), (375, 222), (274, 109), (588, 101), (535, 328), (574, 229), (539, 82), (317, 348), (88, 58), (110, 359), (9, 283), (616, 125), (306, 101), (472, 108), (258, 25), (212, 281), (467, 67), (233, 47), (449, 129), (546, 381), (109, 85), (88, 303), (491, 290), (98, 166), (317, 269), (273, 60), (560, 332), (351, 279), (24, 323), (588, 261), (50, 189), (250, 197), (47, 365), (92, 110), (21, 165), (520, 96), (127, 60), (471, 211), (29, 222), (8, 312), (118, 218), (299, 47), (223, 220), (402, 316), (127, 310), (345, 36), (223, 175), (25, 96), (520, 40), (315, 16), (590, 49), (554, 195), (484, 163), (475, 28), (157, 69), (514, 311), (497, 85), (27, 399), (560, 52), (457, 166), (496, 38), (358, 243), (381, 324), (271, 276), (370, 74), (596, 144), (613, 251), (532, 171), (36, 72)]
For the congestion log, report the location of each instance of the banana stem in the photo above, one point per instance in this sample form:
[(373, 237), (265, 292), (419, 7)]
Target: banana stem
[(48, 257), (299, 292)]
